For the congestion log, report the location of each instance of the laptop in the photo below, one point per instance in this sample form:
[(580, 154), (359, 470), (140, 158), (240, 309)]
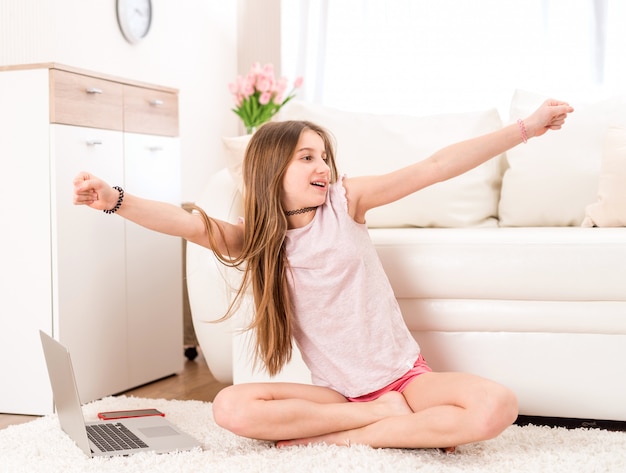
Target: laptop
[(138, 434)]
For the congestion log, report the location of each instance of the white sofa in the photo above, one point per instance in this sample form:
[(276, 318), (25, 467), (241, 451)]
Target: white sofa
[(497, 271)]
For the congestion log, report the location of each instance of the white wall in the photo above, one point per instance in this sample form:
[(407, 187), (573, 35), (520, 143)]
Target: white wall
[(192, 46), (259, 33)]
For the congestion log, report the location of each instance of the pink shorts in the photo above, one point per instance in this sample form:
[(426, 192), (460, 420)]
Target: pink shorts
[(420, 367)]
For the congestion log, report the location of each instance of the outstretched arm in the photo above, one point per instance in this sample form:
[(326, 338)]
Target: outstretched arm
[(367, 192), (158, 216)]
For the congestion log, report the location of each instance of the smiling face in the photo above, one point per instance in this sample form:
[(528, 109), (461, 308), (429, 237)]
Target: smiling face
[(305, 182)]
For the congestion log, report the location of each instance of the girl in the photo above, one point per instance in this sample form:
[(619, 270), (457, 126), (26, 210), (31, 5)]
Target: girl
[(315, 276)]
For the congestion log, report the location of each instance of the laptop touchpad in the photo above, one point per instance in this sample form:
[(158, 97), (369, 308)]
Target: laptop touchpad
[(161, 431)]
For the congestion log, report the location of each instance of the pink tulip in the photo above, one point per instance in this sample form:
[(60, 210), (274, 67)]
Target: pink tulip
[(265, 98), (281, 85), (247, 87), (263, 84), (298, 83)]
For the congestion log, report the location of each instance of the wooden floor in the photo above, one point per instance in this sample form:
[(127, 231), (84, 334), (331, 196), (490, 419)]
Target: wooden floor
[(195, 382)]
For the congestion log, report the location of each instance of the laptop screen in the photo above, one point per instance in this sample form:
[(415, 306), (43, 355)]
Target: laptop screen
[(64, 390)]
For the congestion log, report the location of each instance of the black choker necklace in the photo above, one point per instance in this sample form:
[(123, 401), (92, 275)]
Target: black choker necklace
[(289, 213)]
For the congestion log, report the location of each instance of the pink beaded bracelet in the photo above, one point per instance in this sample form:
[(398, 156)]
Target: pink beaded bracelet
[(522, 130)]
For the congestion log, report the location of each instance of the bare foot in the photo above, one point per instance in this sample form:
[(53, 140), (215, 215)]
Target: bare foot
[(391, 404), (388, 405)]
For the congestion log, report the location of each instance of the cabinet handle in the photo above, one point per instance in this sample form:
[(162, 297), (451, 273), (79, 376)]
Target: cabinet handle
[(156, 102), (93, 90), (93, 142), (154, 149)]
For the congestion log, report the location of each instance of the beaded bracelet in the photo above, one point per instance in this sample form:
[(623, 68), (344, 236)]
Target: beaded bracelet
[(522, 129), (119, 201)]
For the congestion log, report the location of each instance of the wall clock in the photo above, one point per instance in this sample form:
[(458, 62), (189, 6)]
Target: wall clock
[(134, 18)]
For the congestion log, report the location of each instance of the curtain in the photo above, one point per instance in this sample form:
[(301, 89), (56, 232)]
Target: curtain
[(438, 56)]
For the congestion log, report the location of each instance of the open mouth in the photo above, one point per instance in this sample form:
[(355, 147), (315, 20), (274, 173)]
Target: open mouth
[(321, 184)]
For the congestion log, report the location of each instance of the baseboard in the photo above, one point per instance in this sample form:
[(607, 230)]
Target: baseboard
[(571, 423)]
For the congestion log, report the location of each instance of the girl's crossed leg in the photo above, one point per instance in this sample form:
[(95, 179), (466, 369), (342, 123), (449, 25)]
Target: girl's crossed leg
[(436, 410)]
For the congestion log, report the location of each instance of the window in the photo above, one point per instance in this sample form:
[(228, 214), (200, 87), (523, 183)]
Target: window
[(436, 56)]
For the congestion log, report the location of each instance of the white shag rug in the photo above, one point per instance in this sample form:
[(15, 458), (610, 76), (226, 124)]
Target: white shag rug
[(41, 446)]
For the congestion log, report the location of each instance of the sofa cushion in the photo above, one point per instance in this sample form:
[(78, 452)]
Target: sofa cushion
[(610, 208), (234, 150), (521, 264), (552, 179), (377, 144)]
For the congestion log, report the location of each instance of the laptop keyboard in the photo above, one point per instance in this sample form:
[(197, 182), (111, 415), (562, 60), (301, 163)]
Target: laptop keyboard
[(113, 437)]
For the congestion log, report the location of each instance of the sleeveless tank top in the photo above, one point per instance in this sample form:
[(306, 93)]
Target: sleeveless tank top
[(348, 325)]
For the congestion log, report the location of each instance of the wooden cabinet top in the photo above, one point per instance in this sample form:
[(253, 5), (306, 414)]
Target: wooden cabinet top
[(83, 98), (77, 70)]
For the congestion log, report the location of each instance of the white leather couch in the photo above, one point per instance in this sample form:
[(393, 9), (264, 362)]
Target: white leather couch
[(498, 272)]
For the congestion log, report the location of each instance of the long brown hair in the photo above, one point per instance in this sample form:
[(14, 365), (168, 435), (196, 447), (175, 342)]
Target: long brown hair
[(263, 259)]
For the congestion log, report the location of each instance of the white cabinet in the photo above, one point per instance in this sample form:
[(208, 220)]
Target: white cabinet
[(108, 289), (152, 170), (89, 312)]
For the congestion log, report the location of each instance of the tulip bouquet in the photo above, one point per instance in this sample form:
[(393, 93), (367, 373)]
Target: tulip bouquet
[(259, 95)]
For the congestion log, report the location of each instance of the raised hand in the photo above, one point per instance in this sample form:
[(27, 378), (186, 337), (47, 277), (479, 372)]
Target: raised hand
[(550, 115), (94, 192)]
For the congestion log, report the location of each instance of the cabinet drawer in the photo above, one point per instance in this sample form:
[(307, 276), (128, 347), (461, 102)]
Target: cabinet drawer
[(77, 99), (150, 111)]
